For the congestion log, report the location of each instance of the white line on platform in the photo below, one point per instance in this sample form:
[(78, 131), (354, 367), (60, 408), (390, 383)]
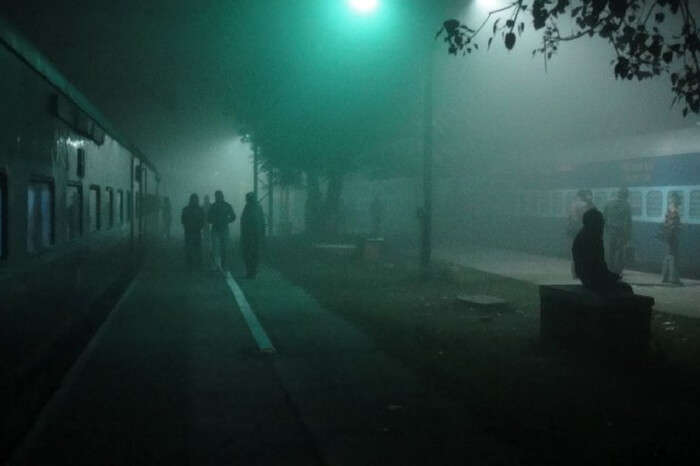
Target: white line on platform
[(256, 329)]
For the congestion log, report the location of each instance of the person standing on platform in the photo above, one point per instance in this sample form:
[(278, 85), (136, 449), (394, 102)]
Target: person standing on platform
[(192, 221), (252, 234), (582, 204), (206, 233), (167, 217), (670, 234), (618, 229), (220, 215)]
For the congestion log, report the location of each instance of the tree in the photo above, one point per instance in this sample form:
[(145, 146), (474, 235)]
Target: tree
[(633, 28)]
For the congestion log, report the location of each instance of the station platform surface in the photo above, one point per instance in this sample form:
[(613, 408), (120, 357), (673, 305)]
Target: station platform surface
[(542, 270), (175, 376)]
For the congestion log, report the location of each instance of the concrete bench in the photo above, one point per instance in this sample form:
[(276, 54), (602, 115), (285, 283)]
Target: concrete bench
[(574, 317)]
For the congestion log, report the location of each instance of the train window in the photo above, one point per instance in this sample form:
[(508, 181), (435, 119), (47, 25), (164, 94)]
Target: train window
[(654, 204), (110, 207), (40, 210), (120, 206), (543, 204), (599, 199), (129, 205), (74, 211), (635, 199), (3, 216), (80, 165), (570, 197), (530, 206), (94, 209), (694, 204), (558, 203), (681, 198)]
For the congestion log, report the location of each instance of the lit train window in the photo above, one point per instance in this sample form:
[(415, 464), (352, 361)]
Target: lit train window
[(635, 200), (3, 216), (654, 204), (73, 211), (530, 206), (681, 198), (110, 207), (40, 211), (94, 209), (570, 197), (599, 199), (558, 203), (694, 204), (120, 206)]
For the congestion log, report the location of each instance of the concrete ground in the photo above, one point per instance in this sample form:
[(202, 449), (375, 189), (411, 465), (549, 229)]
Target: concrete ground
[(542, 270), (176, 377)]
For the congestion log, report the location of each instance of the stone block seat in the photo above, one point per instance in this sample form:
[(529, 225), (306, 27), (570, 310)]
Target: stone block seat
[(616, 326)]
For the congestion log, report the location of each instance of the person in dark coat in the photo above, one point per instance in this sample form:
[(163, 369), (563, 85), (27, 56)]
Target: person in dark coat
[(618, 230), (582, 204), (192, 221), (589, 257), (670, 234), (167, 217), (252, 234), (220, 215)]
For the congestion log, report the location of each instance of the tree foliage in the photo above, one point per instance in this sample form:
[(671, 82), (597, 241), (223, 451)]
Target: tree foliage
[(649, 37)]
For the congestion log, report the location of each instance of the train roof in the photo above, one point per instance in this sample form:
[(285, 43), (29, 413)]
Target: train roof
[(29, 54), (666, 170)]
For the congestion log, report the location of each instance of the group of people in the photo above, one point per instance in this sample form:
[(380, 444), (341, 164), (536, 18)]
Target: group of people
[(212, 221), (602, 241)]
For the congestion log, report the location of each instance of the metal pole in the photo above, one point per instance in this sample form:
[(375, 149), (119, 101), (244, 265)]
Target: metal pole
[(255, 170), (427, 214), (270, 193)]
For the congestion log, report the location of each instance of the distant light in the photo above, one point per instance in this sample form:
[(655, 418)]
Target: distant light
[(489, 5), (364, 6), (75, 143)]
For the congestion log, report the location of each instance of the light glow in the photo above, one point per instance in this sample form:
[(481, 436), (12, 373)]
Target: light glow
[(364, 6), (489, 5)]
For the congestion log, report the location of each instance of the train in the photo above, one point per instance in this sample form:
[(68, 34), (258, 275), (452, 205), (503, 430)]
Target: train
[(79, 208), (528, 212)]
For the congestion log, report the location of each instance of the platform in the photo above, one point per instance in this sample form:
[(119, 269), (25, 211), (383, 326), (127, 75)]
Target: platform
[(545, 270), (176, 376)]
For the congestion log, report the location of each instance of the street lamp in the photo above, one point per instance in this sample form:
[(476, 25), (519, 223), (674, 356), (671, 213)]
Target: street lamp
[(364, 7)]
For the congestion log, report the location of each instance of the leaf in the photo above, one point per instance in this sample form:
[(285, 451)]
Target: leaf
[(495, 25), (668, 57), (489, 44), (510, 23), (510, 40), (659, 17)]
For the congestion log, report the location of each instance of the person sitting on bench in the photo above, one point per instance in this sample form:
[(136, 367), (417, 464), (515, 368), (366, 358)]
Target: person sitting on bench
[(589, 257)]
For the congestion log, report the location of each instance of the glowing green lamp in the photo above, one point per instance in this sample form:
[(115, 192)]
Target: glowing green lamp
[(364, 7)]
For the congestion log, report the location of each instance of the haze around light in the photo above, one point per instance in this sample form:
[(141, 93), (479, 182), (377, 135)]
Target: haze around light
[(364, 6)]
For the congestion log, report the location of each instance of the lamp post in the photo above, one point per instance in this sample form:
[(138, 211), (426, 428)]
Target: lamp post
[(425, 213)]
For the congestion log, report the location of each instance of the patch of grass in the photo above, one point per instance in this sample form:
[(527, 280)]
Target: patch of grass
[(547, 406)]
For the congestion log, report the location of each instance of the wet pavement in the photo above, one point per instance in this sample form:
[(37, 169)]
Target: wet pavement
[(541, 270)]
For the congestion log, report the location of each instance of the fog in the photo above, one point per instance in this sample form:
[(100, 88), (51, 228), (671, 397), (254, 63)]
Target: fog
[(185, 83)]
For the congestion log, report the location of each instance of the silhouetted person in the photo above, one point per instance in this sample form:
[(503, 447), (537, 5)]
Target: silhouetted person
[(589, 257), (220, 215), (167, 217), (670, 234), (252, 234), (376, 212), (618, 229), (206, 232), (582, 203), (192, 221)]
